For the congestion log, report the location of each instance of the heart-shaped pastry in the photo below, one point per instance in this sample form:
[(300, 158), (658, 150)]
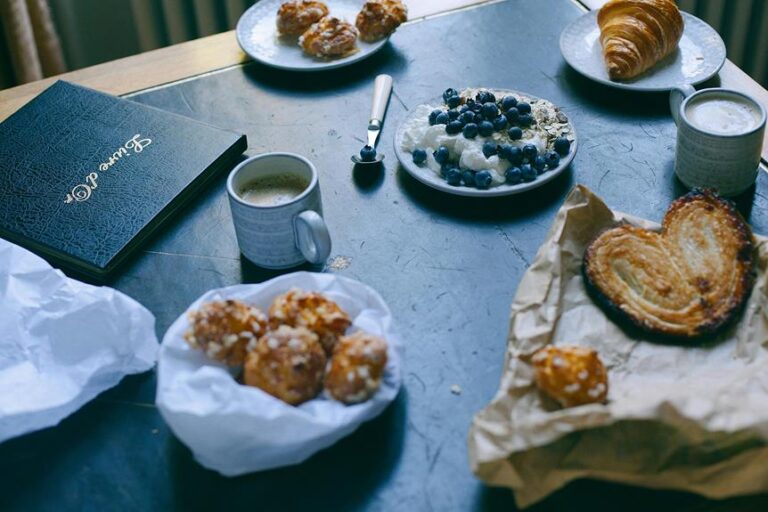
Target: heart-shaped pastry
[(689, 279)]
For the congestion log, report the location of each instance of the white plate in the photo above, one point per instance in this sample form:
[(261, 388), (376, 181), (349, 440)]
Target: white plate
[(700, 55), (428, 177), (258, 37)]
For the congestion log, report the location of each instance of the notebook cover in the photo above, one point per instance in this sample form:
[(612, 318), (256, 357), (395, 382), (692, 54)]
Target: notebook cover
[(85, 176)]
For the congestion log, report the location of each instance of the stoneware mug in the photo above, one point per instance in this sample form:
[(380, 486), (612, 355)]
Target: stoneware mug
[(286, 234), (708, 156)]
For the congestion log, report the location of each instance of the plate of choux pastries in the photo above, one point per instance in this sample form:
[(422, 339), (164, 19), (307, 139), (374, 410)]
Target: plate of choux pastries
[(300, 360), (314, 35)]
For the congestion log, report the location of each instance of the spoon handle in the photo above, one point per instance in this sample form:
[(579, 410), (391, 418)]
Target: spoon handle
[(382, 88)]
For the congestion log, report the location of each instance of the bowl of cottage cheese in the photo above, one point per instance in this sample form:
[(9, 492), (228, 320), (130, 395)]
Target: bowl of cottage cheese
[(485, 142)]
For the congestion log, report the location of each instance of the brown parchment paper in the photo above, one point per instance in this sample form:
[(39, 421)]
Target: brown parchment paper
[(691, 418)]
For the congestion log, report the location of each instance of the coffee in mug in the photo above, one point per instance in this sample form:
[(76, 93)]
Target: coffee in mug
[(719, 138), (273, 190), (277, 211)]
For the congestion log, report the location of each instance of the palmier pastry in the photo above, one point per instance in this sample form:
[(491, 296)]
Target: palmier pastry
[(571, 375), (379, 18), (689, 279), (320, 315), (636, 34), (223, 329), (356, 368), (288, 363), (328, 38), (294, 18)]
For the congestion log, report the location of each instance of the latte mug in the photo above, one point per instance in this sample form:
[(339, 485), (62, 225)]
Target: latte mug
[(286, 232), (719, 138)]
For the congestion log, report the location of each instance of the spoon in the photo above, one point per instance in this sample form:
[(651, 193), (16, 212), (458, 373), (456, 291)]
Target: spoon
[(382, 88)]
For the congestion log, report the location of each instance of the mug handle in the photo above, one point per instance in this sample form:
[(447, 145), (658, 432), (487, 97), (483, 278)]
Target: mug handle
[(676, 97), (312, 237)]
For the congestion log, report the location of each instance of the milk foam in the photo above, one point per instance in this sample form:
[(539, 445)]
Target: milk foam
[(722, 114)]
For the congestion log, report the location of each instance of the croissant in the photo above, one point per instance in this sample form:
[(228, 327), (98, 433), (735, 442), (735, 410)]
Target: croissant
[(636, 34)]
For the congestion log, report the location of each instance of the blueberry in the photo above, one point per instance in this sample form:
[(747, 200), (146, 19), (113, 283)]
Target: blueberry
[(530, 152), (476, 106), (515, 155), (454, 127), (500, 123), (467, 117), (490, 110), (442, 118), (511, 153), (441, 155), (419, 156), (523, 108), (433, 116), (453, 101), (562, 145), (468, 177), (485, 97), (513, 115), (552, 159), (368, 154), (508, 102), (483, 180), (489, 149), (463, 108), (515, 133), (470, 130), (453, 176), (528, 173), (449, 93), (444, 168), (453, 114), (486, 128), (525, 120), (479, 118), (513, 175), (539, 164)]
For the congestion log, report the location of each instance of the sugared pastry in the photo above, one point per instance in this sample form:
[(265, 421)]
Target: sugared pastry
[(379, 18), (223, 329), (689, 279), (571, 375), (330, 37), (636, 34), (288, 363), (294, 18), (356, 367), (312, 310)]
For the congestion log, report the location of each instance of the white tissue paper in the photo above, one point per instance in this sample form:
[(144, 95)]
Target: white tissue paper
[(236, 429), (62, 342)]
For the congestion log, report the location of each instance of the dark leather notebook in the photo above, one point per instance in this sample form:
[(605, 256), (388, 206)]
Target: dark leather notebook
[(85, 176)]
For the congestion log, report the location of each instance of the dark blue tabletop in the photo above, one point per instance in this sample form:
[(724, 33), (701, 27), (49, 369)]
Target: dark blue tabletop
[(447, 266)]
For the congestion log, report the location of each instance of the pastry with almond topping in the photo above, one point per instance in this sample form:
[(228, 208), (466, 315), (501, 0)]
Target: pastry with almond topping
[(288, 363), (571, 375), (329, 38), (357, 365), (223, 329), (379, 18), (294, 18), (312, 310)]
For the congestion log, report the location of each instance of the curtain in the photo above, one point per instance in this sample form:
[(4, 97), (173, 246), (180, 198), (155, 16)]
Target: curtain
[(31, 41)]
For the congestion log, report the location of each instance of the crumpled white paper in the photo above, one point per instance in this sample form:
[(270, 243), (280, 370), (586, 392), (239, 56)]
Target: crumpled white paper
[(62, 342), (236, 429)]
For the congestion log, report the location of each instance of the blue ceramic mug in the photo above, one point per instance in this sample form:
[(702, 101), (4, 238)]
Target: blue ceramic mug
[(287, 233)]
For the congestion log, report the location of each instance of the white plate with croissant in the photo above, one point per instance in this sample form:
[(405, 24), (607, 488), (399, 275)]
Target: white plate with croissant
[(643, 45), (315, 35)]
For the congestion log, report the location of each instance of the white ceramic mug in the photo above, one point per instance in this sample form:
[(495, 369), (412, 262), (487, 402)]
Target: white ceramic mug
[(709, 158), (286, 234)]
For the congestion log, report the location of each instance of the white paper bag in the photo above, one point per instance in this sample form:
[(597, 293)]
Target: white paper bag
[(62, 342), (236, 429)]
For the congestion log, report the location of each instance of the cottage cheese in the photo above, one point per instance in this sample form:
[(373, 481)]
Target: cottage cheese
[(417, 133)]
